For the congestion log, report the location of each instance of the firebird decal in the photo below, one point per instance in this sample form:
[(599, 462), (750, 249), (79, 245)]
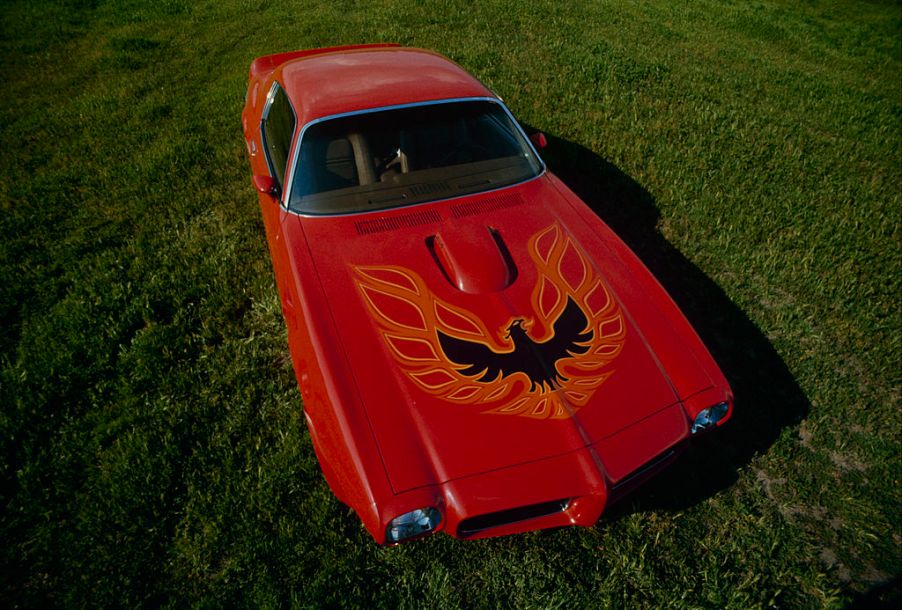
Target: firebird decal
[(543, 367), (535, 359)]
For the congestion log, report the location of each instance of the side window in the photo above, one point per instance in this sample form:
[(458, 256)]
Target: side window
[(277, 129)]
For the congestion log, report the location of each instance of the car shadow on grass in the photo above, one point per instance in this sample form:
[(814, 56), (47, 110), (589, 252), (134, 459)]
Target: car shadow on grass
[(767, 397)]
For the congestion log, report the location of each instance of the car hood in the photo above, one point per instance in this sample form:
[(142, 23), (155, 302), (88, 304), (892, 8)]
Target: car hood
[(484, 332)]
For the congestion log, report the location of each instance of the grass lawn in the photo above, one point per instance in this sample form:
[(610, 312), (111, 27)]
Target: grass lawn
[(153, 449)]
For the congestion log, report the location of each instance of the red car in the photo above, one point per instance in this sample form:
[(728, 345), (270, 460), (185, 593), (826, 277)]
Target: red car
[(477, 351)]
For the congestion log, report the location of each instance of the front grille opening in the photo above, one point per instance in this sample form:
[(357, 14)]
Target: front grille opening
[(647, 468), (474, 525)]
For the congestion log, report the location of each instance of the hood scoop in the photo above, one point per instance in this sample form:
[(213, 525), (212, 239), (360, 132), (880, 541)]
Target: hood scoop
[(475, 261)]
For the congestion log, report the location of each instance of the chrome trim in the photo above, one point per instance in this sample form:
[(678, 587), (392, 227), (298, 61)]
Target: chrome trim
[(286, 192)]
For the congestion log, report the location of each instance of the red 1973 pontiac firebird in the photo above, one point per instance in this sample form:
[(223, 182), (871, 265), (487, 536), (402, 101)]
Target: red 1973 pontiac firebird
[(477, 351)]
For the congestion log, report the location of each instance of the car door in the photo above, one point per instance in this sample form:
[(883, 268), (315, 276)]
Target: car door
[(277, 127)]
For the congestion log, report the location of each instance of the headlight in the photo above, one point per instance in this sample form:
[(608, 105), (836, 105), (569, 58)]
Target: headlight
[(709, 417), (414, 523)]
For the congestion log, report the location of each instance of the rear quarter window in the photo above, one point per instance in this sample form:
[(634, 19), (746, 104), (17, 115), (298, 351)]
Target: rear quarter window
[(277, 130)]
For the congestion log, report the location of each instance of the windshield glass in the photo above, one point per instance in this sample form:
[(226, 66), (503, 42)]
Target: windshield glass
[(398, 157)]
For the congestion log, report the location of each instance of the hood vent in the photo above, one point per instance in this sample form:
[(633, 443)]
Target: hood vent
[(393, 223), (491, 204)]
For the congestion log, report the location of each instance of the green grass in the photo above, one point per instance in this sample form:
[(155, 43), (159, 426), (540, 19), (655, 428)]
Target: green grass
[(152, 444)]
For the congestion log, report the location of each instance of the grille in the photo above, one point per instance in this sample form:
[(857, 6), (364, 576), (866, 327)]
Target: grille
[(474, 525), (393, 223), (638, 475), (491, 204)]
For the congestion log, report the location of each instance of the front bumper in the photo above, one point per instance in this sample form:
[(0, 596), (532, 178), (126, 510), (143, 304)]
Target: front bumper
[(569, 489)]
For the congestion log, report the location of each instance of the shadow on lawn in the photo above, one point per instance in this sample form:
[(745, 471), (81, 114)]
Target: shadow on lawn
[(767, 397)]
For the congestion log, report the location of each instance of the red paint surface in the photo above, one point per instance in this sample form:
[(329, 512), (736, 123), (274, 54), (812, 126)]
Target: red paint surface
[(385, 444)]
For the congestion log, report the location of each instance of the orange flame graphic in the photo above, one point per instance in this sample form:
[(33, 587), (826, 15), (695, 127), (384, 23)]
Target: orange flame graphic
[(409, 314)]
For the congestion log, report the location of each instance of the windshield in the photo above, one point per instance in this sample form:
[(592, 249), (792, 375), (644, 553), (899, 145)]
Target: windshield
[(398, 157)]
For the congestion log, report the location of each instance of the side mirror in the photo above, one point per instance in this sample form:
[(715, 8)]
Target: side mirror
[(538, 140), (267, 185)]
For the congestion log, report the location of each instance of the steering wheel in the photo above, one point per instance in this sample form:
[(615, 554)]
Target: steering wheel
[(391, 160)]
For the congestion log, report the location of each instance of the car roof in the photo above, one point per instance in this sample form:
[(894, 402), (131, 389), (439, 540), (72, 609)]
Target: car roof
[(359, 79)]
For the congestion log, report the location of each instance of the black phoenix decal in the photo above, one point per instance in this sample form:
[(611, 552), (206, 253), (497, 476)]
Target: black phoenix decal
[(536, 360)]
